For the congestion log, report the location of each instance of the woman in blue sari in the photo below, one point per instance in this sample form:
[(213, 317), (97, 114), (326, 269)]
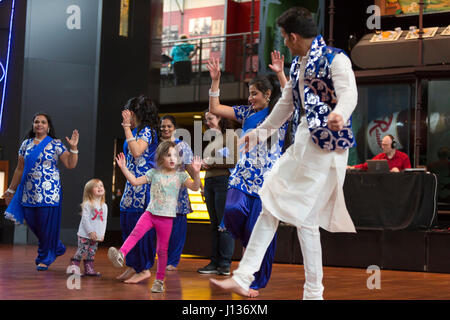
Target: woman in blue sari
[(179, 229), (35, 192), (141, 128), (243, 204)]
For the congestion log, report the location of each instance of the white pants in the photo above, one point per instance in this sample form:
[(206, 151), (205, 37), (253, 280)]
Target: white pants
[(262, 235), (304, 188)]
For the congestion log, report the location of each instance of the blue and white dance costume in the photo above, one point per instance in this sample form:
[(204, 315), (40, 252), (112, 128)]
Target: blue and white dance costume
[(243, 204), (179, 228), (313, 167), (38, 197), (135, 200)]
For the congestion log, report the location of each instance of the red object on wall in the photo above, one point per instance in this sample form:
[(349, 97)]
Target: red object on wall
[(174, 17), (239, 21), (238, 16)]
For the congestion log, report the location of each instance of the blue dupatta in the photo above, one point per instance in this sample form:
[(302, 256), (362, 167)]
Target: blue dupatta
[(14, 211), (254, 120)]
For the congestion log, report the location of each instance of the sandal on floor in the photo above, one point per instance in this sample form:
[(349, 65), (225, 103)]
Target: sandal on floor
[(41, 268), (116, 257)]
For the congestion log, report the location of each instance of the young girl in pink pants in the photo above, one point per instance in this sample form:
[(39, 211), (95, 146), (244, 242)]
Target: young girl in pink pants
[(165, 182)]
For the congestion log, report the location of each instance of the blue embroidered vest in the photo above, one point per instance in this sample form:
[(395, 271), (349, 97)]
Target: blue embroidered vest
[(319, 98)]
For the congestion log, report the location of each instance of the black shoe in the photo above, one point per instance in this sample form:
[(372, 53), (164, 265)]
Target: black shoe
[(209, 269), (223, 271)]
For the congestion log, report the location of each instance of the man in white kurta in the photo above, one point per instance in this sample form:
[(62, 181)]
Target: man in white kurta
[(304, 188)]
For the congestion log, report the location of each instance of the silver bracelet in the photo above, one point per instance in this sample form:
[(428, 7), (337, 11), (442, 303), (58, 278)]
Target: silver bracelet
[(214, 94), (126, 125), (73, 151), (131, 139), (11, 191)]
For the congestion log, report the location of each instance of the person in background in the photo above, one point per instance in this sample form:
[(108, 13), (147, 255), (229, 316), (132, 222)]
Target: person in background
[(222, 156), (397, 160), (181, 55)]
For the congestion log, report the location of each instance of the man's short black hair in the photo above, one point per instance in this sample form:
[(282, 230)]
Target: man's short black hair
[(298, 20)]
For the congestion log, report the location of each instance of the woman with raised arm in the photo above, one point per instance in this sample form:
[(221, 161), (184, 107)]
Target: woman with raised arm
[(140, 123), (243, 204), (34, 194)]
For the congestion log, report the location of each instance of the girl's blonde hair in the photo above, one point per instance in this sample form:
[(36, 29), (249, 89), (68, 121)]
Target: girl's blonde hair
[(162, 150), (88, 196)]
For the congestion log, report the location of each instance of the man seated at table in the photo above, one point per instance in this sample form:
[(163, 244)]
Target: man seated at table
[(397, 160)]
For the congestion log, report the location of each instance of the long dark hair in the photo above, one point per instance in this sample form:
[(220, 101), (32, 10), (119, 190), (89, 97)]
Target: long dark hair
[(146, 112), (268, 82), (50, 133)]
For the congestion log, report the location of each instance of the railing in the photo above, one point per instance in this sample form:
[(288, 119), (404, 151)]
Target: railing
[(238, 54)]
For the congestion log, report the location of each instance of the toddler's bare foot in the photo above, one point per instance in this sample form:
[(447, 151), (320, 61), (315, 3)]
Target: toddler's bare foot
[(230, 285), (138, 277), (126, 274)]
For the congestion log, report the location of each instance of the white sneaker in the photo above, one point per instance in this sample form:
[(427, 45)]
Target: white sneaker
[(158, 286), (116, 257)]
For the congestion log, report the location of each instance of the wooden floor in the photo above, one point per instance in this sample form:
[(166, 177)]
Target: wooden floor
[(19, 280)]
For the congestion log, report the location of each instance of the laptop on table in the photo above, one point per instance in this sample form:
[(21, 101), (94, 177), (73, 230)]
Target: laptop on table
[(377, 166)]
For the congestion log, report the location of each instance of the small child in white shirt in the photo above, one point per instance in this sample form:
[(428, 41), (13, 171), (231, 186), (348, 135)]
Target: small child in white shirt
[(92, 225)]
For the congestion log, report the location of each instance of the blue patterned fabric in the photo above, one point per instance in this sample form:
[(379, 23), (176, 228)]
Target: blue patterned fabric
[(248, 174), (38, 197), (186, 156), (134, 199), (240, 216), (14, 211), (319, 98), (42, 185)]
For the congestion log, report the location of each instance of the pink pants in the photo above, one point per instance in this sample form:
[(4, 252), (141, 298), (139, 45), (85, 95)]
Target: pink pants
[(163, 227)]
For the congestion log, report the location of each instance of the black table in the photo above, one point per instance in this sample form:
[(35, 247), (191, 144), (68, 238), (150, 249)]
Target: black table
[(391, 201)]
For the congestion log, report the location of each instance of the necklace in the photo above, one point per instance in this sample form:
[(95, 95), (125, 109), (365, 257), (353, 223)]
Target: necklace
[(38, 140)]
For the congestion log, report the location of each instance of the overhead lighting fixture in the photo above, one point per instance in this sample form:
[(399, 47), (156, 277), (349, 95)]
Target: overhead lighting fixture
[(196, 116)]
